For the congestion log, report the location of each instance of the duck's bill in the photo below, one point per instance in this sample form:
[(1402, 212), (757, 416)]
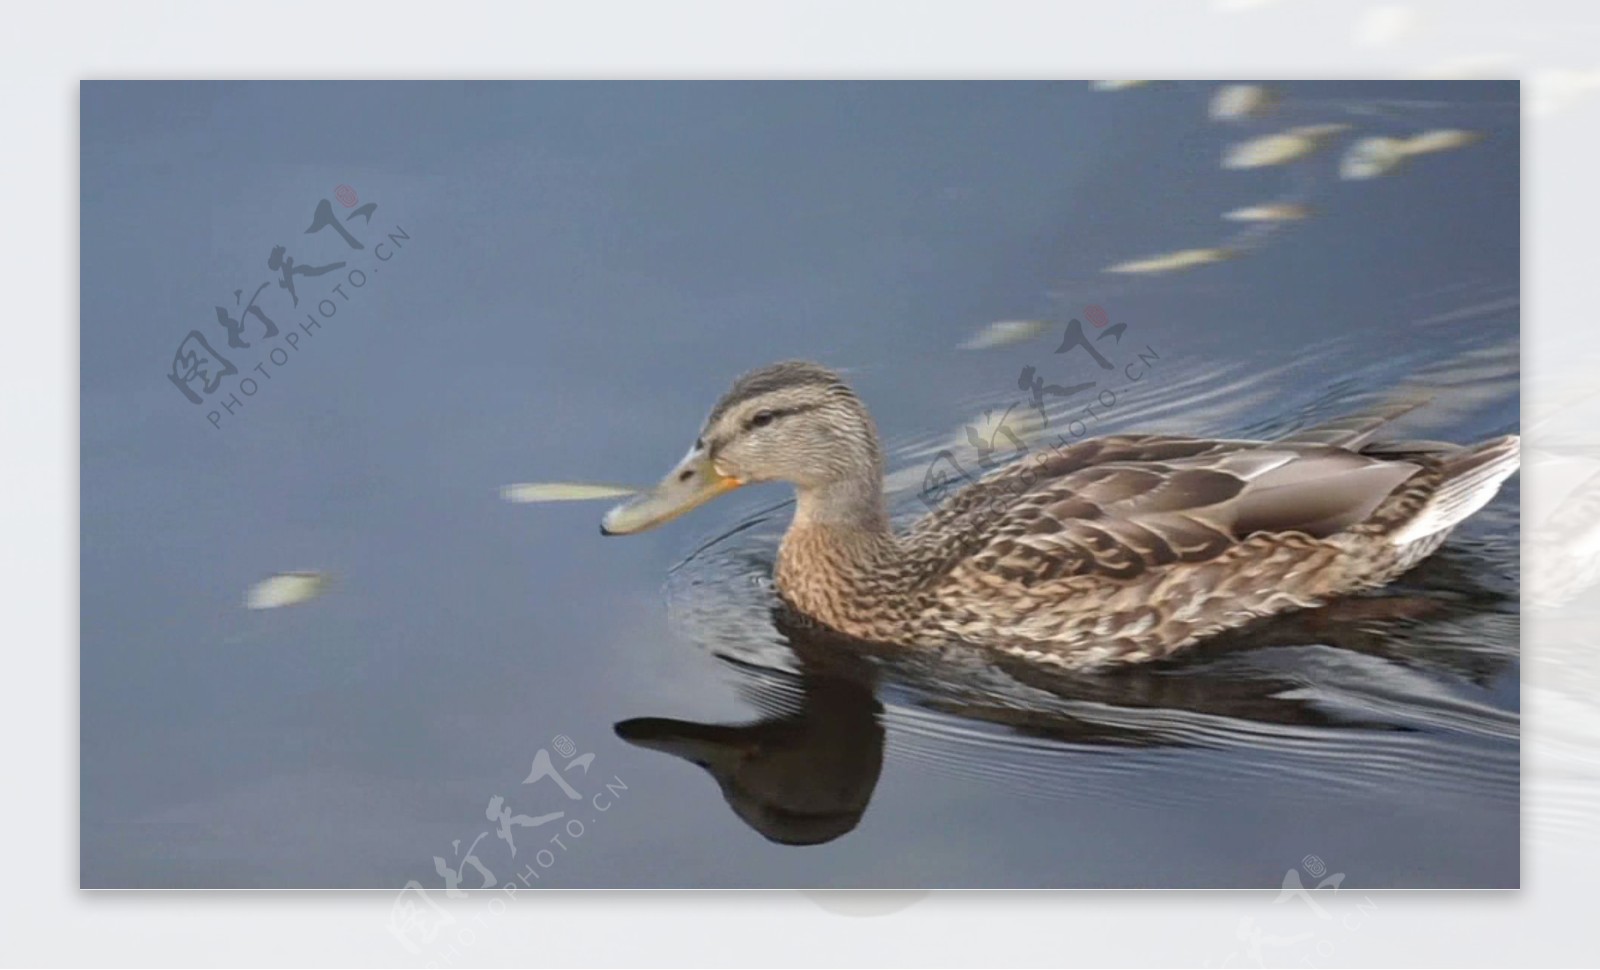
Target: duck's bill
[(692, 483)]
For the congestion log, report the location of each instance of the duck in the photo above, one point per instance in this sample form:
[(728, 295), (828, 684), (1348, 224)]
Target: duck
[(1105, 551)]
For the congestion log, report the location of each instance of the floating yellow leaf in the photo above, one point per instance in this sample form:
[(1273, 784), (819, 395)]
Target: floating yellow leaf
[(1378, 155), (1438, 140), (561, 492), (1267, 150), (1235, 101), (1269, 212), (1166, 263), (285, 589), (1003, 332), (1004, 431), (1286, 146), (1318, 132), (1371, 157)]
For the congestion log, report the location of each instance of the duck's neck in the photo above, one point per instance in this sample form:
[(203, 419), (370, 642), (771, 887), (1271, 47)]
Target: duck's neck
[(850, 504), (840, 556)]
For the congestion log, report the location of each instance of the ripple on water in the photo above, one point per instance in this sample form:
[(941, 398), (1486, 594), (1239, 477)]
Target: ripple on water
[(1400, 706)]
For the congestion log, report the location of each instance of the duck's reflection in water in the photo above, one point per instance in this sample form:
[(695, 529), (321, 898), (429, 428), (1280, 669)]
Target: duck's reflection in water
[(800, 777), (805, 773)]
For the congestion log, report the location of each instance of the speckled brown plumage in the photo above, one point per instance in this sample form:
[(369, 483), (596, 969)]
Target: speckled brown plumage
[(1113, 550)]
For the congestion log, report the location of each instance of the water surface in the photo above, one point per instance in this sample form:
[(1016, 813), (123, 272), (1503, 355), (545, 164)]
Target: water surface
[(581, 270)]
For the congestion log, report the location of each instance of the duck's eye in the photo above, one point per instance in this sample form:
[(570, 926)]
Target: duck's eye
[(761, 419)]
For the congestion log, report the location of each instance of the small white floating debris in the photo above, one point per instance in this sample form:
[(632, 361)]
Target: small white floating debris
[(1235, 101), (1115, 85), (285, 589), (1003, 332), (1439, 140), (1269, 212), (1371, 157), (1001, 432), (1282, 147), (1378, 155), (561, 492), (1166, 263), (1317, 132)]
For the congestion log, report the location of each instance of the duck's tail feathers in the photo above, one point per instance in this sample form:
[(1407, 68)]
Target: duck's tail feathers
[(1354, 430), (1471, 479)]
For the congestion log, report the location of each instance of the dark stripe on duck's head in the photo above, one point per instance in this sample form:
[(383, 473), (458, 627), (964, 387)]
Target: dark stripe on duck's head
[(776, 377)]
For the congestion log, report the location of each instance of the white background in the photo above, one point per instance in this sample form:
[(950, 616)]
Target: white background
[(47, 49)]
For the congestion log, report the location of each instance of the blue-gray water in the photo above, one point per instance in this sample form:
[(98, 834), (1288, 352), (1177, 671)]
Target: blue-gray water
[(569, 275)]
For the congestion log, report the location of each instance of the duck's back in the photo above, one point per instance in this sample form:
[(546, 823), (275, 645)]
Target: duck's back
[(1127, 548)]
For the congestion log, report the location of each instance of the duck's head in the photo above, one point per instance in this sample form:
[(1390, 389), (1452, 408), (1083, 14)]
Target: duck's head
[(795, 422)]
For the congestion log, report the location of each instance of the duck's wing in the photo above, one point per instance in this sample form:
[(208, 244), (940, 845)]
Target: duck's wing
[(966, 519), (1132, 506), (1352, 431)]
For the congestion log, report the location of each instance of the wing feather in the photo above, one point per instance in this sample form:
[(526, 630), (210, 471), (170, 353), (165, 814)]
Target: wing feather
[(1118, 507)]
